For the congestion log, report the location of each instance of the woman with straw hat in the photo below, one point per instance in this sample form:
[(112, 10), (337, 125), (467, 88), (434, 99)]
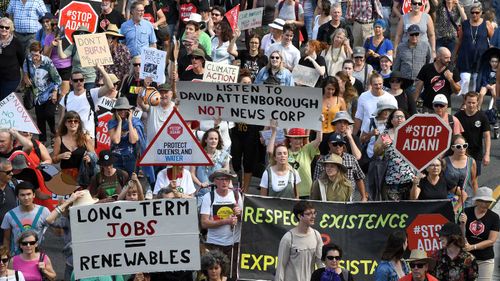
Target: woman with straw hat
[(481, 231), (333, 184)]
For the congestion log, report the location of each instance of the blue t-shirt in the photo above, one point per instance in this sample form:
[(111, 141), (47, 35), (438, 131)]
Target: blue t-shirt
[(385, 46)]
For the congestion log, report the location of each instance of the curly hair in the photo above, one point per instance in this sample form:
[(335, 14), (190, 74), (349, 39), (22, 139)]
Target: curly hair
[(213, 258)]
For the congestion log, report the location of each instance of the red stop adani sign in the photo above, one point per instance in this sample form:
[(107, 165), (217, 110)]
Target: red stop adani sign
[(75, 14), (422, 138), (423, 232)]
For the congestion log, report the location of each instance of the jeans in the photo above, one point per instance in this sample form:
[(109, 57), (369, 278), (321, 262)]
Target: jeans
[(126, 162)]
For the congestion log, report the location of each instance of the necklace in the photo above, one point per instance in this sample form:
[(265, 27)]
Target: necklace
[(335, 59), (474, 36)]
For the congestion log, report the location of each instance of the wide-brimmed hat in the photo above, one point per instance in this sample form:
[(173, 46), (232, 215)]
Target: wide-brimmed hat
[(384, 104), (122, 103), (297, 133), (194, 17), (335, 159), (106, 158), (198, 53), (450, 228), (483, 193), (82, 28), (405, 83), (421, 256), (113, 30), (47, 16), (85, 200), (342, 115), (114, 78), (222, 173), (277, 24)]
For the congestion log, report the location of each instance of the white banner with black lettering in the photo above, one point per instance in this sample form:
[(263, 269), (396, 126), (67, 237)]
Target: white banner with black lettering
[(251, 104), (127, 237)]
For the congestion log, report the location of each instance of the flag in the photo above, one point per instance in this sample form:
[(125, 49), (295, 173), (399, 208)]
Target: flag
[(232, 17)]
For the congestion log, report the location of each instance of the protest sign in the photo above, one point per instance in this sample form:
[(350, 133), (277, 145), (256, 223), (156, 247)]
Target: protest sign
[(251, 104), (250, 18), (232, 17), (73, 14), (101, 132), (220, 72), (305, 76), (105, 102), (153, 64), (14, 115), (280, 136), (135, 236), (176, 145), (93, 49), (361, 229)]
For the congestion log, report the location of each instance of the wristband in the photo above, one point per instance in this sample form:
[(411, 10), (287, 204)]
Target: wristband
[(475, 247)]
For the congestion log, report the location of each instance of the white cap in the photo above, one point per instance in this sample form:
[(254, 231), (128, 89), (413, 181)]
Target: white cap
[(194, 17), (440, 99)]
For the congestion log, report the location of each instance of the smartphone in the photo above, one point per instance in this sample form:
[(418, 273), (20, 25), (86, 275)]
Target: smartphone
[(386, 138)]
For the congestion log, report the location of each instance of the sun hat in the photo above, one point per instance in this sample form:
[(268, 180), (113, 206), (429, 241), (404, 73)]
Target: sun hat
[(337, 138), (421, 255), (342, 115), (194, 17), (335, 159), (440, 99), (113, 30), (297, 133), (450, 228), (277, 24), (198, 53), (405, 83), (222, 173), (483, 193), (384, 104), (122, 103), (85, 200), (106, 158), (82, 28)]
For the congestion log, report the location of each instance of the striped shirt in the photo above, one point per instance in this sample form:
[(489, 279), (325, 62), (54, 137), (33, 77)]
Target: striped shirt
[(410, 60), (26, 15)]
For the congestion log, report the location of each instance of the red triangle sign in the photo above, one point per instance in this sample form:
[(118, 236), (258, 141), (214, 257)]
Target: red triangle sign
[(175, 145)]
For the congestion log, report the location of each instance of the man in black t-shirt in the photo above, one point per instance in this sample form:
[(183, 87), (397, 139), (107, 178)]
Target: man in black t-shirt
[(476, 130), (436, 78), (109, 16)]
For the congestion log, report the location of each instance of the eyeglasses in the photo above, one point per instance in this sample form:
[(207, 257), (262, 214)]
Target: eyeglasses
[(76, 80), (417, 3), (5, 260), (275, 58), (337, 258), (398, 117), (460, 146), (26, 243), (395, 80), (313, 213), (415, 34), (438, 105), (73, 121), (9, 172), (4, 27), (417, 265)]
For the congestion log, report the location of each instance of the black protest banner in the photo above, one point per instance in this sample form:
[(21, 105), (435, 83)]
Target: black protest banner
[(360, 229)]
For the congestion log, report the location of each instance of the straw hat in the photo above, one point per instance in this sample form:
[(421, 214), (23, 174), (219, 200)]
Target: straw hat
[(113, 30), (421, 255), (85, 200), (222, 173), (335, 159)]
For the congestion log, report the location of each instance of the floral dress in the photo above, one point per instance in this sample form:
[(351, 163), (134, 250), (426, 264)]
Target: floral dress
[(462, 268), (398, 169)]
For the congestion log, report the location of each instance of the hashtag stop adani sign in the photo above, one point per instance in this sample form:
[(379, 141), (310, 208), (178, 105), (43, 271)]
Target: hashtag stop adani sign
[(422, 138)]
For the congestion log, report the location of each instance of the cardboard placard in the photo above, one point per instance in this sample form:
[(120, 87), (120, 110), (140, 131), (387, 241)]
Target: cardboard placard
[(128, 237), (306, 76), (93, 49), (250, 18), (14, 115), (220, 72), (153, 64), (251, 104)]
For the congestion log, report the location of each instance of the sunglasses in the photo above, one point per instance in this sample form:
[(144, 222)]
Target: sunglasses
[(475, 13), (395, 80), (9, 172), (438, 105), (460, 146), (26, 243), (417, 3), (275, 58), (136, 64), (337, 144), (4, 27), (417, 265), (331, 258), (5, 260), (415, 34), (76, 80), (73, 121), (196, 58)]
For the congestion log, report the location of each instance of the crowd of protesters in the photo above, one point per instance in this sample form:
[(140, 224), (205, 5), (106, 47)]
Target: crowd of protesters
[(378, 64)]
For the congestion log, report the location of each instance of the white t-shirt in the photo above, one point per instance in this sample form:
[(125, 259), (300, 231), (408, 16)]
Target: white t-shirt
[(81, 105), (291, 55), (223, 235), (367, 106), (13, 277), (279, 182), (157, 115), (185, 185)]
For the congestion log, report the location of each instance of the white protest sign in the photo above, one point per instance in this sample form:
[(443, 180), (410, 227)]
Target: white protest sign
[(105, 102), (220, 72), (175, 144), (251, 104), (304, 75), (93, 49), (280, 136), (250, 18), (127, 237), (153, 64), (14, 115)]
